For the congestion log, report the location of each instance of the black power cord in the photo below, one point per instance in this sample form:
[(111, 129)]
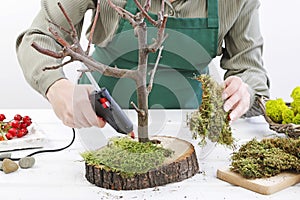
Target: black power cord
[(46, 150)]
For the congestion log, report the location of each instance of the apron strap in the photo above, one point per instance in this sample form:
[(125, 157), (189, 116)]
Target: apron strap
[(212, 10)]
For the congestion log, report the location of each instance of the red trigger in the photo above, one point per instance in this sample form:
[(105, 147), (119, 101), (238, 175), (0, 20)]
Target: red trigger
[(105, 103)]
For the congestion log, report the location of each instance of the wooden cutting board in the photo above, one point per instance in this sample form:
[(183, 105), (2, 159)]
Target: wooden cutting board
[(264, 186)]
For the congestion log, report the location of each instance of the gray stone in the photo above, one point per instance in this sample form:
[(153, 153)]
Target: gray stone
[(9, 166), (26, 162), (5, 155)]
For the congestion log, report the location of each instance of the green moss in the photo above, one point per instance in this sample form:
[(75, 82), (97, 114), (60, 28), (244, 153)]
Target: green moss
[(280, 113), (288, 115), (296, 93), (266, 158), (275, 108), (295, 105), (128, 156), (296, 119), (210, 121)]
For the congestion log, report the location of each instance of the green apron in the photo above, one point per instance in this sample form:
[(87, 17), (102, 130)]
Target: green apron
[(190, 46)]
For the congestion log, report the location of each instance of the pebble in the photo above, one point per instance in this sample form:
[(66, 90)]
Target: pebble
[(5, 155), (26, 162), (9, 166)]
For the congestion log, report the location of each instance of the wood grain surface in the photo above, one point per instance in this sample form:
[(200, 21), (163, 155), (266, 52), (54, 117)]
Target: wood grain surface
[(264, 186)]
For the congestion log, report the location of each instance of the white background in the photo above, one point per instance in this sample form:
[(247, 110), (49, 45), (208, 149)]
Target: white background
[(279, 25)]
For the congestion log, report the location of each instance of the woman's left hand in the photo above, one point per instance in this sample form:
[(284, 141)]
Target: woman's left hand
[(236, 96)]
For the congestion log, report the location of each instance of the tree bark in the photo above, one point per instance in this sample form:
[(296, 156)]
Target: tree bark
[(182, 165), (141, 85)]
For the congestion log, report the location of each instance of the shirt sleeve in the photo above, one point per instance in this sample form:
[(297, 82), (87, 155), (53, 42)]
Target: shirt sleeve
[(31, 61), (242, 55)]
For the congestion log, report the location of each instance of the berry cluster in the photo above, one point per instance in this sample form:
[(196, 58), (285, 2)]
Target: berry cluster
[(15, 128)]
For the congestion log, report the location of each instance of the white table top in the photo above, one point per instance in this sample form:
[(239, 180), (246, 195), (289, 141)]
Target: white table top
[(61, 175)]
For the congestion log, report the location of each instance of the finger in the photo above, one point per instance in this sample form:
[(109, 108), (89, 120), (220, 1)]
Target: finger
[(67, 117), (231, 102), (242, 105), (87, 114), (101, 122), (91, 116), (238, 110), (232, 85)]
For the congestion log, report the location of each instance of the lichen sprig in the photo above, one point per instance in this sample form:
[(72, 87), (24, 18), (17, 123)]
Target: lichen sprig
[(210, 121)]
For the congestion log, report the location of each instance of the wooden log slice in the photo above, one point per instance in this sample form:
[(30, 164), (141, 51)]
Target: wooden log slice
[(182, 165)]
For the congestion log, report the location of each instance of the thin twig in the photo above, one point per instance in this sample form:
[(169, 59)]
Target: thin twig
[(76, 53), (123, 13), (60, 27), (59, 39), (147, 5), (47, 51), (149, 88), (58, 66), (106, 70), (93, 28), (140, 111), (162, 10), (74, 34), (145, 14), (161, 36)]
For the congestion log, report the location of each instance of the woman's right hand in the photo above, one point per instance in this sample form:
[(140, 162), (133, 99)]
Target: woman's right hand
[(72, 105)]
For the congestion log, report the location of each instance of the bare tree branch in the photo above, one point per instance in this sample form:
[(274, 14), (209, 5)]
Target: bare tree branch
[(162, 10), (58, 26), (150, 85), (147, 5), (139, 75), (93, 28), (145, 14), (106, 70), (161, 36), (123, 13), (76, 53), (59, 39), (140, 111), (74, 34), (48, 52), (58, 66)]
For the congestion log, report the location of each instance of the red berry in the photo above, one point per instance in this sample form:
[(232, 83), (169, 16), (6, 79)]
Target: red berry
[(15, 124), (13, 131), (20, 134), (2, 117), (9, 136), (28, 123), (24, 131), (18, 117), (26, 118), (23, 125)]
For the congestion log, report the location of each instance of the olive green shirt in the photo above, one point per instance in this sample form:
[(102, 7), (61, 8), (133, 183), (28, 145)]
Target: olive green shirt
[(239, 43)]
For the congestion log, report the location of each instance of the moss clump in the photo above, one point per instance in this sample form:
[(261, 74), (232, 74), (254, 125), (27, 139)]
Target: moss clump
[(280, 113), (128, 156), (275, 108), (210, 120), (266, 158)]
